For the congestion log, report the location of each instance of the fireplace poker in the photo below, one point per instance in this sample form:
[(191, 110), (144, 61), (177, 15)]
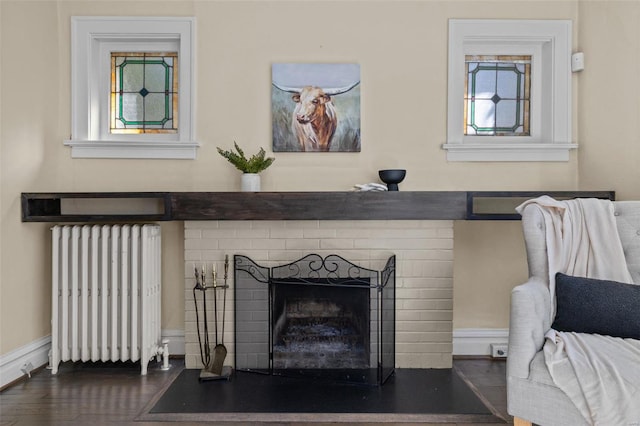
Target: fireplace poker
[(205, 350), (224, 292)]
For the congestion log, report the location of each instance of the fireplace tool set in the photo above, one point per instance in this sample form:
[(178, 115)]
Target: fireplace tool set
[(214, 368)]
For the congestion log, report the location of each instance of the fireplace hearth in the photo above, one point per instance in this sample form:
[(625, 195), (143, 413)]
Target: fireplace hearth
[(324, 318)]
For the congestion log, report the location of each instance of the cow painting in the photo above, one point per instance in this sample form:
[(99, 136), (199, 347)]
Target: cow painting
[(314, 119), (315, 111)]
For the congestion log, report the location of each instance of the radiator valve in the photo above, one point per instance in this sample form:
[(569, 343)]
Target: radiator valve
[(164, 351)]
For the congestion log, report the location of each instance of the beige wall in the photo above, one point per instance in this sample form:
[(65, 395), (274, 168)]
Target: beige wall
[(402, 49), (609, 107)]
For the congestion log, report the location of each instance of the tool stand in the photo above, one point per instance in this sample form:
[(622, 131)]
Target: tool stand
[(213, 367)]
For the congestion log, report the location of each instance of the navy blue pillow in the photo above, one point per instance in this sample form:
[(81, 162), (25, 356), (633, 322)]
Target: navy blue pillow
[(587, 305)]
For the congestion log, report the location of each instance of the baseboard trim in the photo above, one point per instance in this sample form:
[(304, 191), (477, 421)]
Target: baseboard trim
[(34, 355), (176, 341), (466, 341), (477, 341)]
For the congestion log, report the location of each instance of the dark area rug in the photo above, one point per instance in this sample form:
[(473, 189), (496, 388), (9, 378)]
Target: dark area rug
[(420, 395)]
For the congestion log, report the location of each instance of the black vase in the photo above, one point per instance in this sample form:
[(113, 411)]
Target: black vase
[(392, 177)]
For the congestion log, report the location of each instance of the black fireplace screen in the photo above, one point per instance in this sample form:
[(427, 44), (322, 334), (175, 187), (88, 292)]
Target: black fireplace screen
[(316, 317)]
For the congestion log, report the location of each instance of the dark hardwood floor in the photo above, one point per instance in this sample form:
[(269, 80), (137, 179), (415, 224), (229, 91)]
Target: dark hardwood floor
[(86, 394)]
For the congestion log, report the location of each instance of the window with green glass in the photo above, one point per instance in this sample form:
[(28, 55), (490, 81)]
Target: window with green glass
[(497, 95), (144, 92)]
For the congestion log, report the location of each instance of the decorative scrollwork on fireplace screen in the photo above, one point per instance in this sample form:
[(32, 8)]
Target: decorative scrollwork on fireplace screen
[(332, 269), (315, 317)]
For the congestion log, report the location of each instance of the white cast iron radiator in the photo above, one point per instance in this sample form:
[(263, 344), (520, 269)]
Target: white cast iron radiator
[(106, 294)]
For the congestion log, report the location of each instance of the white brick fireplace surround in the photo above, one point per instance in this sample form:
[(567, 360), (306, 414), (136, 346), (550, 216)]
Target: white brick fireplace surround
[(424, 276)]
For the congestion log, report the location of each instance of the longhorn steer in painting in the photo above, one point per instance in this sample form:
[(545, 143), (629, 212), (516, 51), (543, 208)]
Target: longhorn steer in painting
[(314, 119)]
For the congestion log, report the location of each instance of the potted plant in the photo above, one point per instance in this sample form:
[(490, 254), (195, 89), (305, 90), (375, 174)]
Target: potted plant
[(250, 167)]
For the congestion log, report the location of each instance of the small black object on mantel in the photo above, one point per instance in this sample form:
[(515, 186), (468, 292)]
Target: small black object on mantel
[(392, 177)]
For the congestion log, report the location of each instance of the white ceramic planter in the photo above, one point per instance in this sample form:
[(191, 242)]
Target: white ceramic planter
[(250, 182)]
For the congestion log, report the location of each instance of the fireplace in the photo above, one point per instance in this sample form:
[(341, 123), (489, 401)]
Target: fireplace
[(324, 318), (423, 274)]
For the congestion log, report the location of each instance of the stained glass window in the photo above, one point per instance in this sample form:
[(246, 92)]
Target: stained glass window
[(144, 92), (497, 95)]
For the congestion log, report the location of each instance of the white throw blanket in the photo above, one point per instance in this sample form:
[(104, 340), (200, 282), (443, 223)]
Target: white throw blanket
[(600, 374), (592, 251)]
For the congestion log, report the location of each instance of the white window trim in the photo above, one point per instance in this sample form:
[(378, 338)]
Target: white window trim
[(90, 38), (549, 43)]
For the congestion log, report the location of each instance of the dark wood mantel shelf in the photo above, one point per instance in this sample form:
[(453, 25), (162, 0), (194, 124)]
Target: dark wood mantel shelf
[(86, 207), (319, 205)]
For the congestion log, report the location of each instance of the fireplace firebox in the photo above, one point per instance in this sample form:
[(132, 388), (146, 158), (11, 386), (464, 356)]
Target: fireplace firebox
[(322, 318)]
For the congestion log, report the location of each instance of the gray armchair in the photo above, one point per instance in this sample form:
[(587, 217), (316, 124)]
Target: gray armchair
[(532, 396)]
